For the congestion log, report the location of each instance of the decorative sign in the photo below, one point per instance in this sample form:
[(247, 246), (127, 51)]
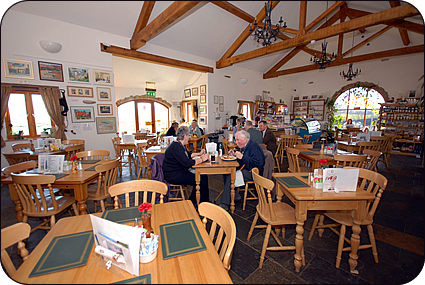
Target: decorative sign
[(151, 93)]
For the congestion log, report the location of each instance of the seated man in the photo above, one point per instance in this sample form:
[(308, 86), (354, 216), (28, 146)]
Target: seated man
[(269, 138), (255, 134), (172, 130), (178, 162), (250, 156)]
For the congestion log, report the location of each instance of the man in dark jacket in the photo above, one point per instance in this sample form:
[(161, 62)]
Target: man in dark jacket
[(172, 130), (269, 138), (251, 155)]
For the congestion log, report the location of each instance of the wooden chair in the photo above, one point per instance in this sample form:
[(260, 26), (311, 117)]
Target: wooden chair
[(93, 154), (20, 146), (107, 176), (350, 160), (204, 141), (142, 186), (294, 160), (368, 145), (16, 157), (30, 186), (373, 157), (75, 142), (10, 235), (140, 136), (225, 148), (152, 142), (353, 131), (386, 146), (221, 232), (178, 189), (371, 182), (285, 140), (142, 161), (306, 139), (72, 150), (273, 214)]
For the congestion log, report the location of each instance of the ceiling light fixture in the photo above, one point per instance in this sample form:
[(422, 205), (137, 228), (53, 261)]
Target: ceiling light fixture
[(50, 46), (350, 74), (324, 59), (266, 34)]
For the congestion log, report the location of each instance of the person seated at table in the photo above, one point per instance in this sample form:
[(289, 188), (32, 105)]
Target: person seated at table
[(178, 162), (251, 155), (255, 134), (257, 118), (239, 122), (172, 130), (349, 124), (182, 122), (194, 130), (269, 138)]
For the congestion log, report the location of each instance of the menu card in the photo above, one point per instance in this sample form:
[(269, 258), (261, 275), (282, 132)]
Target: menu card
[(50, 163), (340, 179)]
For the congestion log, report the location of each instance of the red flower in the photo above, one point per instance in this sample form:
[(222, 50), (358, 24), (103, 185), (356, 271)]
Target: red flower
[(73, 158), (323, 161), (145, 207)]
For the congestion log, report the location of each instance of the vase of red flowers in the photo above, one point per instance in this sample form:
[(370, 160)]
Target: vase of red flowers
[(146, 218), (74, 163)]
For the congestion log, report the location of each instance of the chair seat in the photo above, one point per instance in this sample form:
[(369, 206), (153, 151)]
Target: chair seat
[(285, 214), (344, 218), (63, 203), (92, 193)]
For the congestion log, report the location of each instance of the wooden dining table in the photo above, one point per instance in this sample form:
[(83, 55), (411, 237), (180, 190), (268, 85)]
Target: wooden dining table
[(194, 141), (34, 153), (350, 147), (199, 267), (77, 180), (309, 198), (220, 167), (152, 151), (314, 157)]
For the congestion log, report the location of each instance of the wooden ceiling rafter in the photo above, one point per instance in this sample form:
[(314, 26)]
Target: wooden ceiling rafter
[(145, 13), (303, 18), (374, 36), (403, 33), (229, 7)]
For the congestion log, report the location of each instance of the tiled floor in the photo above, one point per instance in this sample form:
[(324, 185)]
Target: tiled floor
[(398, 226)]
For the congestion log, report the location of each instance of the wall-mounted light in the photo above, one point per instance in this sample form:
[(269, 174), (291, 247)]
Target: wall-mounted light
[(49, 46), (243, 80)]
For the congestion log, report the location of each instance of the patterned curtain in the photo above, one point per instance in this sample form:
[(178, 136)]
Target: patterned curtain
[(51, 96), (6, 89)]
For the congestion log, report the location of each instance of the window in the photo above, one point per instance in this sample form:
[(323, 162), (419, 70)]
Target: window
[(246, 111), (27, 113), (361, 105)]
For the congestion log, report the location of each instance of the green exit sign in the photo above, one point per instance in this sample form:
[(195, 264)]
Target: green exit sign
[(151, 93)]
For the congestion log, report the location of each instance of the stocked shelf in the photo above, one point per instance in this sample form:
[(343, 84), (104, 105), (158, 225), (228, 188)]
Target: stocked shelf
[(309, 109)]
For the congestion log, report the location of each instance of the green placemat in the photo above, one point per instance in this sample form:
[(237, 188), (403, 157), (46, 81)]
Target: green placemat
[(144, 279), (88, 161), (123, 215), (180, 238), (65, 252), (304, 177), (309, 153), (292, 182), (91, 168)]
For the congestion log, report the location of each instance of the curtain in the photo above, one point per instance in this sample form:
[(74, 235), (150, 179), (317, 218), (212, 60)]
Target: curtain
[(183, 110), (6, 89), (240, 106), (195, 109), (51, 96), (251, 110)]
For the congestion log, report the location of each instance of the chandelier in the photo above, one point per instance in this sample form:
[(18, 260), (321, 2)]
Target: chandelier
[(324, 59), (266, 34), (350, 74)]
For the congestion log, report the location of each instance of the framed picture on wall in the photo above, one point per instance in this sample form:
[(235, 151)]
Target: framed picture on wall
[(305, 97), (104, 109), (82, 114), (194, 91), (106, 125), (296, 98), (187, 93), (221, 107), (321, 96), (221, 99), (412, 93), (215, 99), (202, 120), (76, 74), (18, 68), (50, 71), (203, 89), (80, 91), (313, 97), (203, 109), (103, 93), (203, 99), (102, 77)]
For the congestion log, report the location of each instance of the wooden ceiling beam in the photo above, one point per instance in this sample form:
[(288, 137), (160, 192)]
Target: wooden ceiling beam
[(355, 24), (145, 13), (160, 23), (359, 58), (303, 17), (403, 33), (329, 11), (234, 10), (137, 55), (374, 36), (342, 16), (284, 60)]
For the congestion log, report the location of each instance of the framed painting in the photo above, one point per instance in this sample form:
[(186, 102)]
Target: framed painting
[(82, 114), (203, 89), (80, 91), (221, 107), (215, 99), (305, 97), (202, 120), (76, 74), (296, 98), (18, 68), (50, 71), (103, 93), (203, 109), (313, 97), (203, 99), (194, 91), (321, 96), (106, 125), (187, 93), (103, 77), (412, 93), (104, 109), (221, 99)]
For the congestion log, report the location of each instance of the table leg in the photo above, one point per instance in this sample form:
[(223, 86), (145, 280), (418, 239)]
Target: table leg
[(81, 195), (82, 207), (232, 190), (299, 243), (18, 206), (198, 186), (355, 236)]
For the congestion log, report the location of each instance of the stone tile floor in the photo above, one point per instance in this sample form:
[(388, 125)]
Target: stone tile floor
[(398, 227)]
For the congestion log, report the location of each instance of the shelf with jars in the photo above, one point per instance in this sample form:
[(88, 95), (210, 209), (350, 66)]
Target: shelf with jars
[(406, 123), (309, 108)]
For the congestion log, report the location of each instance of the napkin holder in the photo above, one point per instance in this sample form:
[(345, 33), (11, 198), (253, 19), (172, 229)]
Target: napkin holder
[(211, 147), (318, 178), (128, 138)]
